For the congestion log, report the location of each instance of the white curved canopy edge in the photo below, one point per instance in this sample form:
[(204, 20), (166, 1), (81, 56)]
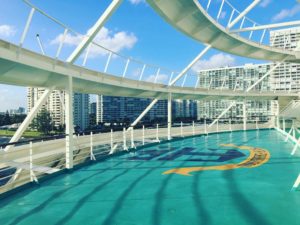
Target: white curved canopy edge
[(189, 17)]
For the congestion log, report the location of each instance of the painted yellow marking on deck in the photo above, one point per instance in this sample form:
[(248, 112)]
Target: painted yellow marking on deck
[(257, 157)]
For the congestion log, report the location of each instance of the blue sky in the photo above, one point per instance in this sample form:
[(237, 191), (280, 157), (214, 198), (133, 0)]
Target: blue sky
[(135, 30)]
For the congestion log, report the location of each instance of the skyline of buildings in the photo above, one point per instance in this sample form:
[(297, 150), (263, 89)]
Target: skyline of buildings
[(112, 109)]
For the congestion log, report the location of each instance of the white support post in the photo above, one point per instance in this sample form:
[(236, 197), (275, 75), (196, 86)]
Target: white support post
[(28, 22), (222, 114), (205, 127), (244, 116), (218, 126), (124, 140), (92, 156), (32, 175), (169, 116), (143, 135), (283, 124), (256, 123), (193, 128), (111, 140), (132, 138), (181, 129), (94, 30), (69, 123), (157, 136), (297, 182), (230, 125), (243, 14), (29, 117)]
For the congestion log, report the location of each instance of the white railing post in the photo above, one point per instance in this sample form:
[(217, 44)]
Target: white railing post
[(156, 76), (143, 135), (111, 140), (32, 176), (283, 124), (107, 62), (157, 137), (218, 126), (230, 125), (124, 139), (142, 72), (61, 43), (193, 128), (132, 138), (24, 34), (205, 126), (169, 116), (256, 123), (126, 67), (220, 10), (92, 156)]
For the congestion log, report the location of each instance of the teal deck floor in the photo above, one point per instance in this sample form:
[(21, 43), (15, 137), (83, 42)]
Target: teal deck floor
[(130, 189)]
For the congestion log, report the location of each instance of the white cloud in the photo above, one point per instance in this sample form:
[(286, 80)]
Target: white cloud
[(265, 3), (7, 30), (135, 2), (161, 78), (70, 39), (215, 61), (106, 38), (287, 13)]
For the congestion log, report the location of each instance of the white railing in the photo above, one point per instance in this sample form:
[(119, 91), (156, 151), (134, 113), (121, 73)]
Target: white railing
[(95, 57), (28, 163), (223, 12)]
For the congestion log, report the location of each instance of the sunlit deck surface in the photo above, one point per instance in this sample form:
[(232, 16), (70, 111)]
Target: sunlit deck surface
[(226, 186)]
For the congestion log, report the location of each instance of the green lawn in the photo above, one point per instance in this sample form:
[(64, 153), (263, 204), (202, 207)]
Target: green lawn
[(27, 134)]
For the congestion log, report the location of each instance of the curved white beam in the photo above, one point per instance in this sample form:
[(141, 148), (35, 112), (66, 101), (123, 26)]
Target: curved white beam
[(190, 17)]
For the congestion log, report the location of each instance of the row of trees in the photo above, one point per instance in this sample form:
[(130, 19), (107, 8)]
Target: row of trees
[(6, 119)]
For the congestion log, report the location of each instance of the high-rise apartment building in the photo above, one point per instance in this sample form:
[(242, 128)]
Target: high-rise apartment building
[(287, 76), (112, 109), (55, 105), (81, 104), (234, 78)]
